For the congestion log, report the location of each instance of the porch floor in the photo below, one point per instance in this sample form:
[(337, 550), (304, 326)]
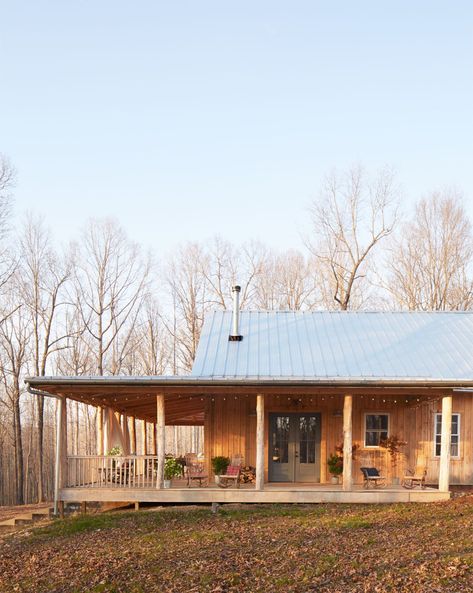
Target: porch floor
[(274, 492)]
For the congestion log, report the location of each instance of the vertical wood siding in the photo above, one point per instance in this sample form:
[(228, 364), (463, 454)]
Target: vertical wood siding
[(230, 428)]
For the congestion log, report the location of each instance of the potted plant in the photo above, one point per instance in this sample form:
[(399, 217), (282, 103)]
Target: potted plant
[(219, 466), (393, 445), (335, 462), (335, 466), (172, 469), (115, 452)]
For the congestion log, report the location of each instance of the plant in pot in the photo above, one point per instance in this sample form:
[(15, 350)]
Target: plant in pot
[(219, 466), (335, 466), (172, 469), (393, 445), (335, 462), (115, 452)]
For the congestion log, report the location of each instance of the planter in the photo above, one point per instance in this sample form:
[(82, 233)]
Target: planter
[(217, 479), (395, 481), (167, 483), (334, 480)]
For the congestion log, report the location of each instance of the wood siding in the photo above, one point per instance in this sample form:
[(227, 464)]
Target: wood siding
[(230, 428)]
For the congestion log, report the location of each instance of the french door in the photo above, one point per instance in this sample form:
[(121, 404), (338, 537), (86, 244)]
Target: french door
[(294, 447)]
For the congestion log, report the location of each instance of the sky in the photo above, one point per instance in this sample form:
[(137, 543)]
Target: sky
[(188, 119)]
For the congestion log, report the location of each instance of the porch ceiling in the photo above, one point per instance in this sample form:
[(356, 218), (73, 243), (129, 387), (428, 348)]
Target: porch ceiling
[(185, 396)]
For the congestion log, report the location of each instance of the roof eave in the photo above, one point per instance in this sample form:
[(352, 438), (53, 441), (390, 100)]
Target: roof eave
[(256, 381)]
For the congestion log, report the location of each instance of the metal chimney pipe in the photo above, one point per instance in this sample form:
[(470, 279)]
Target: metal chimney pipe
[(235, 334)]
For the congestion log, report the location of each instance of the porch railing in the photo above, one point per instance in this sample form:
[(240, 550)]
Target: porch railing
[(104, 471)]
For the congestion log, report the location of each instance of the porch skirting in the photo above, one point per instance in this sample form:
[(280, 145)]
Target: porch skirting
[(271, 494)]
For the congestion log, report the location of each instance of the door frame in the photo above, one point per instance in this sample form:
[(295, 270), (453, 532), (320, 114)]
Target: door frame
[(292, 414)]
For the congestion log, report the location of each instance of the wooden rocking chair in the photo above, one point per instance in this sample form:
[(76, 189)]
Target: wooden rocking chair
[(232, 475), (195, 471), (372, 478), (412, 479)]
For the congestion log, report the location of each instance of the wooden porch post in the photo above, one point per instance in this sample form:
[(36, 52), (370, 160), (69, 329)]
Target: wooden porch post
[(347, 442), (60, 470), (133, 435), (144, 438), (161, 438), (100, 431), (444, 470), (260, 441), (154, 444)]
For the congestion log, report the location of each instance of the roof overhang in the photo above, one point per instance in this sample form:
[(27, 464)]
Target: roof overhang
[(186, 396)]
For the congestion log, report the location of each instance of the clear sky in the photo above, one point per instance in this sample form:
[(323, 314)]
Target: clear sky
[(186, 119)]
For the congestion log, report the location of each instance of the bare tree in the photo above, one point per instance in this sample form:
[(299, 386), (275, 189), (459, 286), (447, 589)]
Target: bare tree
[(150, 349), (430, 263), (189, 293), (225, 265), (15, 334), (42, 278), (7, 181), (287, 281), (8, 256), (200, 278), (110, 284), (350, 218)]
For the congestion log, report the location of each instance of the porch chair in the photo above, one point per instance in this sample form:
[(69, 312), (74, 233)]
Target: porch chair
[(412, 479), (195, 471), (372, 478), (124, 472), (232, 474)]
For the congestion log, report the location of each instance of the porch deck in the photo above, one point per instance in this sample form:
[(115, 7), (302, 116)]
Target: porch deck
[(272, 493)]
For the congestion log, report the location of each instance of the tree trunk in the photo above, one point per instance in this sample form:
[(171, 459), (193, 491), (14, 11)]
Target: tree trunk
[(19, 452)]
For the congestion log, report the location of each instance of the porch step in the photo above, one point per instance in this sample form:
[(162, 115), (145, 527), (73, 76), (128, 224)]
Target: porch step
[(25, 518)]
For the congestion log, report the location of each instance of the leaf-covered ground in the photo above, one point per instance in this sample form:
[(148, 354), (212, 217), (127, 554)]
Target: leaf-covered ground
[(320, 548)]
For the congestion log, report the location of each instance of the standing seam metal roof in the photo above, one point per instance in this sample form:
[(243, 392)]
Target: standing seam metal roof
[(338, 345)]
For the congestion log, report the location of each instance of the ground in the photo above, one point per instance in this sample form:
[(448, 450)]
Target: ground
[(319, 548)]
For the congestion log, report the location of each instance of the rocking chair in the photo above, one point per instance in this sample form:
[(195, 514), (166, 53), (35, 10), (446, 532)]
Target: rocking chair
[(412, 479), (195, 471), (232, 475), (372, 478)]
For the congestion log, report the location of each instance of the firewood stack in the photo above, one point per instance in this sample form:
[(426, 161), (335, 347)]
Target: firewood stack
[(248, 475)]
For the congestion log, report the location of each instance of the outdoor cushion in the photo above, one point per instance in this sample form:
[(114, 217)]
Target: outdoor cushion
[(233, 470), (371, 472)]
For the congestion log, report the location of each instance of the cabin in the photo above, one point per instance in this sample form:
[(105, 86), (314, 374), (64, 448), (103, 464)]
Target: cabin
[(285, 390)]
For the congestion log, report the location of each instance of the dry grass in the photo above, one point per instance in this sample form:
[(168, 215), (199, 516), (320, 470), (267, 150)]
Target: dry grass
[(319, 548)]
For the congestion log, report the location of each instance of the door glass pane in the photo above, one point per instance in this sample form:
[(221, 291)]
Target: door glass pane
[(307, 438), (280, 440)]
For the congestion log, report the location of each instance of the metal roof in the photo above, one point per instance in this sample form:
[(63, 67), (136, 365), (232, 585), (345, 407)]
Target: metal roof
[(338, 346)]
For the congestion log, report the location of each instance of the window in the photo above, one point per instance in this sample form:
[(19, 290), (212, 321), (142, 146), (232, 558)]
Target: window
[(376, 429), (455, 441)]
